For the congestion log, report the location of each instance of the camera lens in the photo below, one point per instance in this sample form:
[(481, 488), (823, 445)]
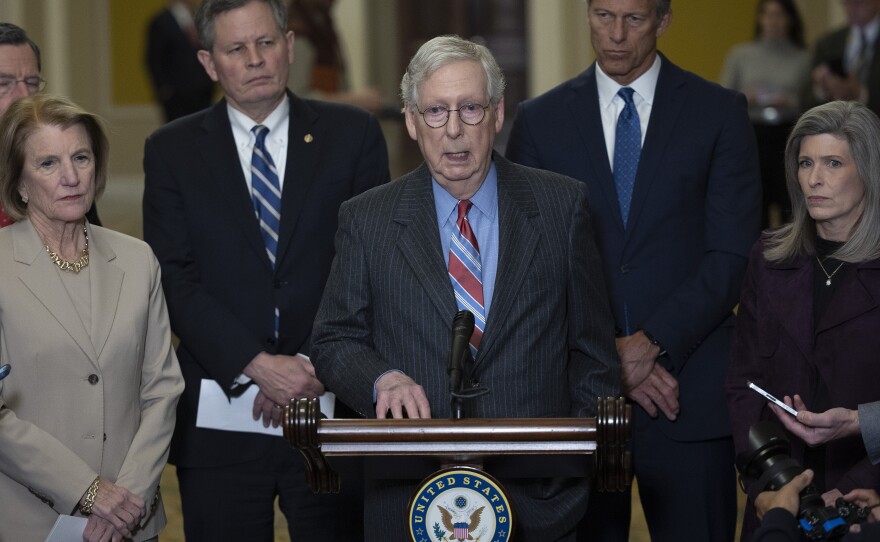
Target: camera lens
[(768, 457)]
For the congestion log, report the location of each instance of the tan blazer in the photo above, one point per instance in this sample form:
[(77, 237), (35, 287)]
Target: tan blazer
[(80, 404)]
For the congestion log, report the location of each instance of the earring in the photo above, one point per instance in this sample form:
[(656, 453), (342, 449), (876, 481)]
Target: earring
[(24, 198)]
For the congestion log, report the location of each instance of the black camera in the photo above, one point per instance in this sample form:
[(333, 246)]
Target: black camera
[(768, 461)]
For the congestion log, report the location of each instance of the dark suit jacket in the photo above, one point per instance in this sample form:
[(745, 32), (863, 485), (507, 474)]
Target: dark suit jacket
[(777, 347), (548, 347), (180, 83), (831, 50), (695, 213), (220, 286)]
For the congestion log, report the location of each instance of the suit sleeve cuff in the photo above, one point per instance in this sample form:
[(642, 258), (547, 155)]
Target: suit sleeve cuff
[(378, 378), (869, 421)]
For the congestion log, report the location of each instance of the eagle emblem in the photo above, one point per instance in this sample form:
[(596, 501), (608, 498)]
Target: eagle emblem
[(460, 529), (460, 504)]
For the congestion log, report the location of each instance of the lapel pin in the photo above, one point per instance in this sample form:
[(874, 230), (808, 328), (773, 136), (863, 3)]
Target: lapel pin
[(308, 138)]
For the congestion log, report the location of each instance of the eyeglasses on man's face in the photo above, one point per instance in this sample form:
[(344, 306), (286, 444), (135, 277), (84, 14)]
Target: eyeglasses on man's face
[(32, 84), (437, 116)]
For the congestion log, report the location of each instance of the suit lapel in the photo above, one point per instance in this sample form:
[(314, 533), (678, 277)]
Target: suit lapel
[(419, 241), (667, 106), (584, 106), (794, 311), (854, 297), (518, 240), (304, 144), (106, 287), (41, 279), (220, 156)]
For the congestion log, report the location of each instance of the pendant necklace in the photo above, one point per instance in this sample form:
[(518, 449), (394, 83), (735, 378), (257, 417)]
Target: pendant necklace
[(827, 276)]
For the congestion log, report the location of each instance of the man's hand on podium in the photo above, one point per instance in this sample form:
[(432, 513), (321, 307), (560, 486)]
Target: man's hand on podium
[(399, 394)]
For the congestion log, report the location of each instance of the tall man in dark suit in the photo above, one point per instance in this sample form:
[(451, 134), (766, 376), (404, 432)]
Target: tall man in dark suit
[(672, 171), (543, 338), (846, 63), (242, 223)]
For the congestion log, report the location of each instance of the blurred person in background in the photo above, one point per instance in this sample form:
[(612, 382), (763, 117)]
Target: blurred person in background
[(846, 62), (319, 69), (180, 85), (773, 71)]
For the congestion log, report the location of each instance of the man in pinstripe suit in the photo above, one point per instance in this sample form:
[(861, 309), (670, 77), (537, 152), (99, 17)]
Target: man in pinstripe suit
[(383, 333)]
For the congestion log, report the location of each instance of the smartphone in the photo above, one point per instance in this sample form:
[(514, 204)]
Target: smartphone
[(4, 371), (772, 399)]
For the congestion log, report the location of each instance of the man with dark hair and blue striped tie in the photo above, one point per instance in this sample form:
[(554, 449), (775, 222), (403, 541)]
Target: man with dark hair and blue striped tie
[(240, 206), (671, 166), (467, 230)]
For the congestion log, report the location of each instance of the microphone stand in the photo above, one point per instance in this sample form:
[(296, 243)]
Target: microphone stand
[(462, 329)]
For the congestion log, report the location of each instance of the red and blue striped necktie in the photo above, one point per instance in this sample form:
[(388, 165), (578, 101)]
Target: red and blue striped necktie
[(466, 272)]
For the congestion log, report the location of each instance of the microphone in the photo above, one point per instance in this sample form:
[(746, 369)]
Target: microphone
[(4, 371), (462, 329)]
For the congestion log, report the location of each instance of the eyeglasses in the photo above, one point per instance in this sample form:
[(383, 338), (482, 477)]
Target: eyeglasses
[(33, 84), (437, 116)]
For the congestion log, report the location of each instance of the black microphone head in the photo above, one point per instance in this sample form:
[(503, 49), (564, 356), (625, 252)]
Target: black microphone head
[(463, 323)]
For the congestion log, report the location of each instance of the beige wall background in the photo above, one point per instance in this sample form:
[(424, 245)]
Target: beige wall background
[(93, 50)]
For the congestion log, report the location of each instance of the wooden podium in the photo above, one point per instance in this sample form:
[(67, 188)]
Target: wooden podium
[(466, 442)]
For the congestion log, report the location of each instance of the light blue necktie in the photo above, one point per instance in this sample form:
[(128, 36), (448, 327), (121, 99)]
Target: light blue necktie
[(627, 148), (266, 192)]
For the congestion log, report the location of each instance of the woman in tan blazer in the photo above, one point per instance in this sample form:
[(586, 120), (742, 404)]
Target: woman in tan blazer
[(88, 409)]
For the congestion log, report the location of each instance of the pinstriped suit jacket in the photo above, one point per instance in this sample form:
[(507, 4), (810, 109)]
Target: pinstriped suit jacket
[(548, 348)]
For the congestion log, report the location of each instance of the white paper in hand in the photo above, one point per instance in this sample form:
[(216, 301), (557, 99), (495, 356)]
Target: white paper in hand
[(216, 411), (67, 529)]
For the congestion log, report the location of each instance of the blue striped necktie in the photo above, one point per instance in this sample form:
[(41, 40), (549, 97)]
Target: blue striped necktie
[(466, 272), (627, 148), (266, 193)]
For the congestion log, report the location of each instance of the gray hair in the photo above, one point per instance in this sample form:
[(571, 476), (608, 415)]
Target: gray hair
[(210, 9), (860, 127), (663, 7), (444, 50)]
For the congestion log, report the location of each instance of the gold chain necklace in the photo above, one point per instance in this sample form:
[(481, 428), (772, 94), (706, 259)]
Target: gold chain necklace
[(74, 266), (827, 276)]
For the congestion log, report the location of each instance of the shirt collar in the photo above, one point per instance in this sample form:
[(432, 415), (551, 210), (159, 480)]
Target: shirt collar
[(485, 199), (243, 124), (644, 86), (871, 30), (182, 14)]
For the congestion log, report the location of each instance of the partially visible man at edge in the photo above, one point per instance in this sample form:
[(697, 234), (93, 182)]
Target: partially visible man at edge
[(20, 67)]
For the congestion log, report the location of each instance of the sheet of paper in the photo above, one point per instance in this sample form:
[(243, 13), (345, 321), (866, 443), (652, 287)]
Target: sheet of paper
[(216, 411), (67, 529)]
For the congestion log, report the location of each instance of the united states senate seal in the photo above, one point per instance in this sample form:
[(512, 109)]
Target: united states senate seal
[(459, 504)]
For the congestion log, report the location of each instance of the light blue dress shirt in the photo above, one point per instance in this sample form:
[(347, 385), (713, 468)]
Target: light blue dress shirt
[(483, 217)]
